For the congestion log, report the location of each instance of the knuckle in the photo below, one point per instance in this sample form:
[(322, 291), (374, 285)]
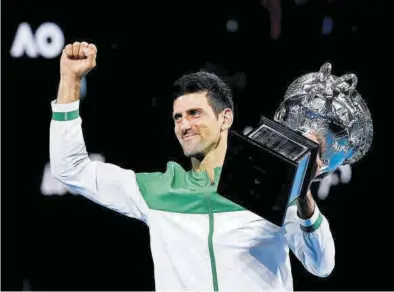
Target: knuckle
[(92, 46)]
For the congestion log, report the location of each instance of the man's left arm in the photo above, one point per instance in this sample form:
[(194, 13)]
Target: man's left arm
[(308, 234)]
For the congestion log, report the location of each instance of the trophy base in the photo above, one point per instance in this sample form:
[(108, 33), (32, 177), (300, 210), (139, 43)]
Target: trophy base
[(267, 169)]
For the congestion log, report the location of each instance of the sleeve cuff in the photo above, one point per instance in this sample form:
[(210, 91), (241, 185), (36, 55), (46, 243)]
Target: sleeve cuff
[(65, 112), (313, 223)]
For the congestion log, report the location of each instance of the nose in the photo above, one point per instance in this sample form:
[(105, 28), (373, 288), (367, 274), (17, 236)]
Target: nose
[(185, 125)]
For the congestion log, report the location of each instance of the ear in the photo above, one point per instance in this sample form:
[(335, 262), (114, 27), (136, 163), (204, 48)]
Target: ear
[(227, 119)]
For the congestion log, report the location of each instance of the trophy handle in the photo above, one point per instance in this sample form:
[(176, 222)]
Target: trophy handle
[(344, 84), (325, 71)]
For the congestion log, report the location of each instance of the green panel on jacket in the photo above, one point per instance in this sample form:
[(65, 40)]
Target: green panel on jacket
[(180, 191)]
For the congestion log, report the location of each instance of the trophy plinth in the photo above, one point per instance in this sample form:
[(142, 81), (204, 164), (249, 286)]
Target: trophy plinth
[(267, 169)]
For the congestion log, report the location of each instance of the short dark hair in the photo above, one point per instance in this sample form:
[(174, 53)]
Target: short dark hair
[(218, 92)]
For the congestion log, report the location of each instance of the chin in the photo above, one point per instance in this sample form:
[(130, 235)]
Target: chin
[(194, 154)]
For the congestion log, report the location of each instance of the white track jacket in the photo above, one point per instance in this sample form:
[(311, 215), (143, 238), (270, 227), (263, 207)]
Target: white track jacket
[(200, 241)]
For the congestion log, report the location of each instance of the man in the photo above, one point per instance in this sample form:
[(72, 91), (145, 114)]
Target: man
[(199, 239)]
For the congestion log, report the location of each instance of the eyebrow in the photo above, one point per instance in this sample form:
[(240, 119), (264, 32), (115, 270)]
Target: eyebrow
[(189, 110)]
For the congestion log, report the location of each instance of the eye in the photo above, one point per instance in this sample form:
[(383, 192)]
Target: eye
[(194, 113), (177, 117)]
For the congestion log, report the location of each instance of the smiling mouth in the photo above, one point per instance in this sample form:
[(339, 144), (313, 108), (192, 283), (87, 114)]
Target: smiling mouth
[(189, 137)]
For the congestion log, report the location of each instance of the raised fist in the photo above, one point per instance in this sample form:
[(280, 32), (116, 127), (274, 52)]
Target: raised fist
[(78, 59)]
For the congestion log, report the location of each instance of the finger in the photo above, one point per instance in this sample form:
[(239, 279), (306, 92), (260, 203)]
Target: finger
[(68, 50), (93, 47), (319, 163), (311, 136), (82, 48), (91, 53), (76, 46)]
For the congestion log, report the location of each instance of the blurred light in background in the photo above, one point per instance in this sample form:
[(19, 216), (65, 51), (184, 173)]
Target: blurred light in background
[(327, 26), (50, 186), (84, 89), (300, 2), (26, 285), (236, 80), (232, 25), (342, 175), (247, 130)]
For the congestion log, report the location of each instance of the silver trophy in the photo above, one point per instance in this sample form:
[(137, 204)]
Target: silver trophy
[(274, 164), (330, 107)]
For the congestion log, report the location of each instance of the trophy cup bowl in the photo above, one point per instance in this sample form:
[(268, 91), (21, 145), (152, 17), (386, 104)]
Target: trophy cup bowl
[(332, 109)]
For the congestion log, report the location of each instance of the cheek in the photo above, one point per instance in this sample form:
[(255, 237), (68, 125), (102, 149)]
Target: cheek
[(177, 131), (210, 132)]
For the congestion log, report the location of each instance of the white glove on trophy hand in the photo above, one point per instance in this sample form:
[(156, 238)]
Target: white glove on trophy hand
[(77, 60)]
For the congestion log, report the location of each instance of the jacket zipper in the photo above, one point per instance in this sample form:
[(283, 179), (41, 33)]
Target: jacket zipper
[(210, 245)]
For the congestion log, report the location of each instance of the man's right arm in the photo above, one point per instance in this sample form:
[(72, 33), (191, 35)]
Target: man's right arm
[(104, 183)]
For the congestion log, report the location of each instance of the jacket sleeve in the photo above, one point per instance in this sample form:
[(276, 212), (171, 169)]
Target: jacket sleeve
[(106, 184), (311, 241)]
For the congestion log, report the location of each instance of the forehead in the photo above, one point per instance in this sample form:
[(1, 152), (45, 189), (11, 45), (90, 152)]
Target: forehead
[(191, 100)]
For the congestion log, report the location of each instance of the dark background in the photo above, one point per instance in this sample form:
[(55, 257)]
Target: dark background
[(64, 242)]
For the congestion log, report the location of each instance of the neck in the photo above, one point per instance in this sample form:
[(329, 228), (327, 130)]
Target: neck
[(214, 158)]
